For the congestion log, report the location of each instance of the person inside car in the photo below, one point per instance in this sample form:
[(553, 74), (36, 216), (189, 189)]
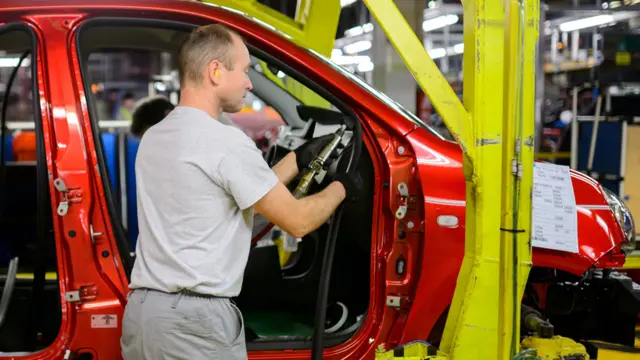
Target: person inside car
[(151, 110)]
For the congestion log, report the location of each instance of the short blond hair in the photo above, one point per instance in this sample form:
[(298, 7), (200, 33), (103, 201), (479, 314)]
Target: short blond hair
[(204, 45)]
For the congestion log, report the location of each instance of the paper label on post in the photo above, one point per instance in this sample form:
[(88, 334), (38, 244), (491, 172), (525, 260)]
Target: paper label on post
[(554, 213)]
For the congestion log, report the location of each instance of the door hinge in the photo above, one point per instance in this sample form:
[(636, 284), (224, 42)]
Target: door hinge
[(404, 195), (398, 301), (69, 196), (84, 293)]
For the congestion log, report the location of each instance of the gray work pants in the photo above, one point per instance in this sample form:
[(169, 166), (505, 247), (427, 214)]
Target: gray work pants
[(162, 326)]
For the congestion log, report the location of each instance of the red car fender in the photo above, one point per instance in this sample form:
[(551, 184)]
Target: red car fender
[(440, 170)]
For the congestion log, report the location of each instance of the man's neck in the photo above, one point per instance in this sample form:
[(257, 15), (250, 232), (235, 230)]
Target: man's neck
[(194, 98)]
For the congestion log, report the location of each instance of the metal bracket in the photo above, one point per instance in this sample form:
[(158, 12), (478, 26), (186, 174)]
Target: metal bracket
[(393, 301), (93, 234), (69, 196), (72, 296), (404, 195)]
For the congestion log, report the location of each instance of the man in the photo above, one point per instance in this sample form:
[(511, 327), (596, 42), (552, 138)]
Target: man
[(200, 183), (149, 111), (126, 107)]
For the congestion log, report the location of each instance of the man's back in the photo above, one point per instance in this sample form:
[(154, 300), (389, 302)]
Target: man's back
[(191, 212)]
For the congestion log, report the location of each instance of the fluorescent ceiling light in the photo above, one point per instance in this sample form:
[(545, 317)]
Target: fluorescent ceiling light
[(437, 53), (344, 3), (359, 30), (439, 22), (357, 47), (336, 53), (586, 23), (442, 52), (365, 66)]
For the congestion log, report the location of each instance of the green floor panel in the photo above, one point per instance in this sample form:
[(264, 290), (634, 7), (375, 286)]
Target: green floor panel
[(267, 324)]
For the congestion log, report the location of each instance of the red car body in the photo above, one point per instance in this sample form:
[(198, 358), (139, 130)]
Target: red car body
[(428, 164)]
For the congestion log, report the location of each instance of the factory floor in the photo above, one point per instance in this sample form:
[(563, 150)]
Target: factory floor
[(615, 352)]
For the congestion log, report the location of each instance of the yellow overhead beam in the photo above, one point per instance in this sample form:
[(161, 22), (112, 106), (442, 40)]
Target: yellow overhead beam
[(314, 26), (424, 70)]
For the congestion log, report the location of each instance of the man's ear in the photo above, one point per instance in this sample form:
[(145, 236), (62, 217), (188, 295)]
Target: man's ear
[(213, 71)]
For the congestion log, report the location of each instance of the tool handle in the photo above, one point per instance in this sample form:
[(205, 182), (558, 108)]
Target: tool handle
[(317, 165)]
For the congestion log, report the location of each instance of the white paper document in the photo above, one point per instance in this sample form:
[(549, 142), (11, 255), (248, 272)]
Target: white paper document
[(555, 214)]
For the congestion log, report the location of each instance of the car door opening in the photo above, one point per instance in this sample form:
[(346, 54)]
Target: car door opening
[(30, 306), (279, 295)]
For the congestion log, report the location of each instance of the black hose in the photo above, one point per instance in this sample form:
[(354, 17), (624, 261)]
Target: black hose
[(3, 128), (327, 262)]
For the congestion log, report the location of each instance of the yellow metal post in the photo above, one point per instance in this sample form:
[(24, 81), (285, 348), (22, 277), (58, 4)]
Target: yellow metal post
[(472, 330), (521, 33), (477, 327)]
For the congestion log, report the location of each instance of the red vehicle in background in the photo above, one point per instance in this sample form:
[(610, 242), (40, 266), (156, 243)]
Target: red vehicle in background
[(260, 125), (66, 235)]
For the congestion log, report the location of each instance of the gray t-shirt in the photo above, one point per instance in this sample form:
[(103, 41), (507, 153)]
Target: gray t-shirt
[(197, 180)]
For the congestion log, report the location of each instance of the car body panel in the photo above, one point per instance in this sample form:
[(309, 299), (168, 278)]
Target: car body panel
[(432, 169), (443, 184), (76, 161)]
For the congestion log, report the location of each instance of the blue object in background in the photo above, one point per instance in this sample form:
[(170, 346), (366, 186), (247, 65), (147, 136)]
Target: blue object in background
[(132, 205), (608, 151), (110, 147), (8, 148)]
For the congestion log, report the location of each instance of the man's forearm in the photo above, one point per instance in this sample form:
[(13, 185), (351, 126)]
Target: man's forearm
[(314, 210), (286, 169)]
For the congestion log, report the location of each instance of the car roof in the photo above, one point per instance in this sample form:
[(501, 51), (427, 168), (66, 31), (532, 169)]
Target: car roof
[(65, 5)]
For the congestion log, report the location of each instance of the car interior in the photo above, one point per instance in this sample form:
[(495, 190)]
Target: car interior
[(30, 308), (278, 301)]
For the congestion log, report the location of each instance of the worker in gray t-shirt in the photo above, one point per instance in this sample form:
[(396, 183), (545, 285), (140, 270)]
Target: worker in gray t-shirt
[(199, 185)]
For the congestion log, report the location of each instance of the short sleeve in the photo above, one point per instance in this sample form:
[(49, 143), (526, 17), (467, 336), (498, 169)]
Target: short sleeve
[(245, 175)]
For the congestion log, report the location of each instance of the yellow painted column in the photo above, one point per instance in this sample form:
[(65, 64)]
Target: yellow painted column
[(494, 128), (521, 34), (472, 329)]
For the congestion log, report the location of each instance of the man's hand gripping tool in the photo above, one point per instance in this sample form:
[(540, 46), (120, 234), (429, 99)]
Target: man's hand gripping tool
[(317, 165)]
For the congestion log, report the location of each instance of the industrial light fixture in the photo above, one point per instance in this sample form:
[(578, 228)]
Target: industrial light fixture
[(442, 52), (586, 23), (365, 66), (437, 53), (359, 30), (344, 3), (439, 22), (427, 25), (357, 46)]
